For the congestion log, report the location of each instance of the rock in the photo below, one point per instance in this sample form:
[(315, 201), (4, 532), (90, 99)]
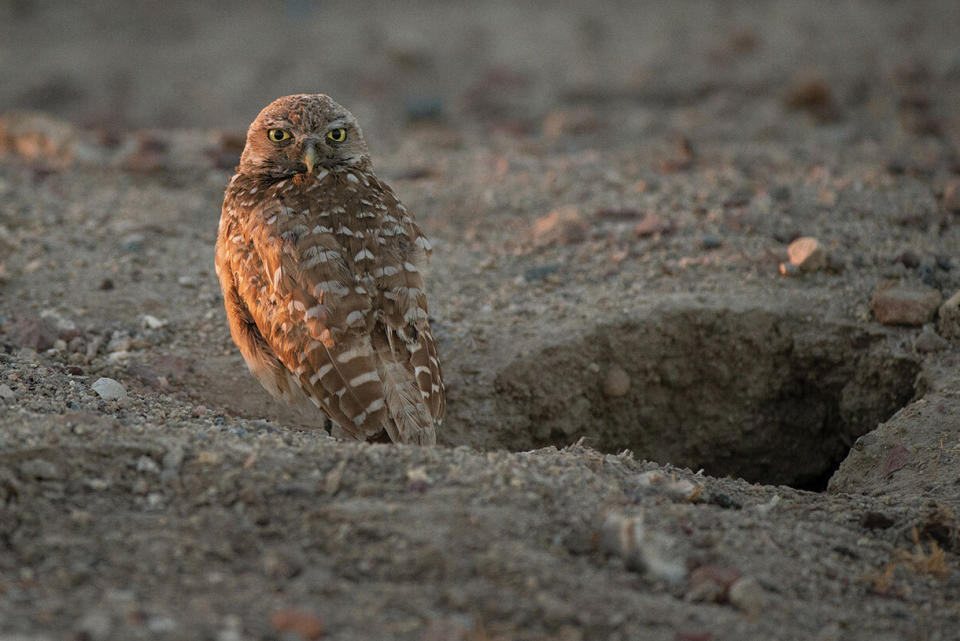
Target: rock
[(643, 547), (564, 225), (152, 322), (652, 224), (929, 341), (540, 272), (807, 254), (909, 259), (676, 489), (38, 138), (876, 520), (109, 389), (949, 324), (951, 196), (147, 465), (616, 383), (905, 305), (709, 241), (789, 269), (32, 333), (7, 394), (308, 626), (748, 595), (133, 242), (40, 469), (813, 95), (711, 583)]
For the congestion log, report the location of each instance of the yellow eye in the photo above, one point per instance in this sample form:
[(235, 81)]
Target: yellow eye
[(278, 135), (337, 135)]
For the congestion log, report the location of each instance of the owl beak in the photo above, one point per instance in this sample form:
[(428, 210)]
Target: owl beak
[(310, 157)]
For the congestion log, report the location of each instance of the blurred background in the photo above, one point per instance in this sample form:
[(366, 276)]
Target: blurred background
[(485, 71)]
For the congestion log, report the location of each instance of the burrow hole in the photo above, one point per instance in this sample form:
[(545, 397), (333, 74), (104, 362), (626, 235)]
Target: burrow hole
[(765, 396)]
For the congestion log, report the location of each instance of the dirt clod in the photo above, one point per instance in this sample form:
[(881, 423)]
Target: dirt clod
[(903, 305)]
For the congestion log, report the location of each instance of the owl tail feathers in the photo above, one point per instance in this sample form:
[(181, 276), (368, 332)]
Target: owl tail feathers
[(409, 418)]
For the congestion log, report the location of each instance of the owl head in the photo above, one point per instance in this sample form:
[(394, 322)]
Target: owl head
[(302, 134)]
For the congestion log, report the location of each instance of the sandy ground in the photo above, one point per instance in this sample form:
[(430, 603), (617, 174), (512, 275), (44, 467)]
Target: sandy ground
[(652, 433)]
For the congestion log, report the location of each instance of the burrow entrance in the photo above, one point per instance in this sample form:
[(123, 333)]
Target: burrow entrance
[(766, 396)]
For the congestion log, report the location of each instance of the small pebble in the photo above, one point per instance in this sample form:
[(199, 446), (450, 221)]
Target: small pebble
[(747, 595), (929, 341), (910, 259), (133, 242), (7, 394), (807, 254), (109, 389), (710, 241), (789, 269), (40, 469), (152, 322), (564, 226), (308, 626), (949, 322), (951, 196), (642, 547), (616, 382), (147, 465)]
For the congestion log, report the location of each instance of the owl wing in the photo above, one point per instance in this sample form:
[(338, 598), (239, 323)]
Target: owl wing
[(297, 288), (405, 318)]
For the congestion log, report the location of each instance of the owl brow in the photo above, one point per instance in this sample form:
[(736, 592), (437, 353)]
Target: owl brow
[(339, 122)]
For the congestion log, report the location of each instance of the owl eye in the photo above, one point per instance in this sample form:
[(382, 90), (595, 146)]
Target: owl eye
[(278, 135), (337, 135)]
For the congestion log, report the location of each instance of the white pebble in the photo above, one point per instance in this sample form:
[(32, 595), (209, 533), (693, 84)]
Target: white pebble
[(109, 389), (152, 322)]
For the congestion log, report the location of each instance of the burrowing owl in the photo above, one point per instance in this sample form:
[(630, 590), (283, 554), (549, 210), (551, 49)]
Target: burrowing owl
[(320, 268)]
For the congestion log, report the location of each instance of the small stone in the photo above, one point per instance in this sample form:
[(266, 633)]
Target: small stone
[(711, 583), (951, 196), (310, 627), (904, 305), (876, 520), (929, 341), (133, 242), (147, 465), (152, 322), (40, 469), (747, 595), (807, 253), (909, 259), (109, 389), (616, 382), (540, 272), (564, 225), (789, 269), (97, 485), (652, 224), (186, 281), (32, 333), (709, 241), (949, 324), (643, 547), (7, 394), (106, 284)]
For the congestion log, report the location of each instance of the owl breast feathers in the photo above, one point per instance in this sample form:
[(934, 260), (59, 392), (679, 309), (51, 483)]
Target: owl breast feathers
[(319, 263)]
